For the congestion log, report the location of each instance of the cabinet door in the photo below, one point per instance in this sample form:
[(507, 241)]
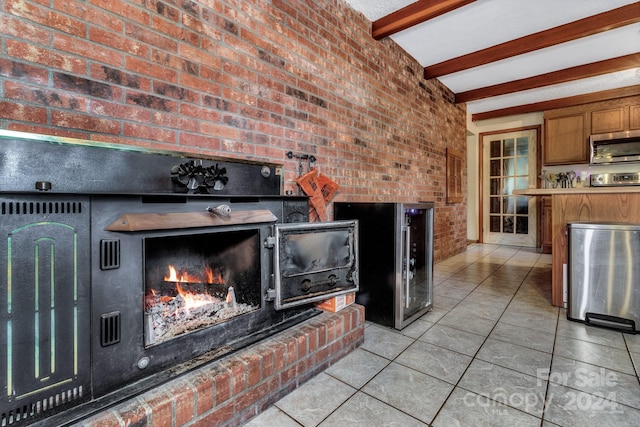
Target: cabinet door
[(565, 141), (634, 117), (605, 121), (546, 239)]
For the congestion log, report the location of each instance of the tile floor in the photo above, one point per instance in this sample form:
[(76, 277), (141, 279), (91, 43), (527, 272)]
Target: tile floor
[(492, 352)]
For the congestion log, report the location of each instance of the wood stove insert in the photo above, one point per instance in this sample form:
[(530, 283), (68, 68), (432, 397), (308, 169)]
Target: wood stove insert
[(121, 268)]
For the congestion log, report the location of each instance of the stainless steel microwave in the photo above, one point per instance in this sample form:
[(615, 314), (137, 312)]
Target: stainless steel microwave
[(617, 147)]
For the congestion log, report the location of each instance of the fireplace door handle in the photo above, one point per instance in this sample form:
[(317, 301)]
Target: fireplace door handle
[(307, 285), (220, 210)]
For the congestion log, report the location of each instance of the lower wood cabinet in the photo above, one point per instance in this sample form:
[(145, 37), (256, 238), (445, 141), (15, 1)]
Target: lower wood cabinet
[(546, 238)]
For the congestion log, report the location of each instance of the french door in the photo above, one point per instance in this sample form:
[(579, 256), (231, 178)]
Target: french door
[(509, 163)]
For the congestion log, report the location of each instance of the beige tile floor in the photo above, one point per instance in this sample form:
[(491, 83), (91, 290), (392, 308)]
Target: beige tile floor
[(492, 352)]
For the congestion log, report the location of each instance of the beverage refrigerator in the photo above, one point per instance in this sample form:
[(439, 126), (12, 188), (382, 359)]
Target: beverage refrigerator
[(396, 259)]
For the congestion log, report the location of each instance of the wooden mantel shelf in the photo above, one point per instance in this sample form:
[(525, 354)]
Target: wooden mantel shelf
[(583, 190), (588, 204), (174, 220)]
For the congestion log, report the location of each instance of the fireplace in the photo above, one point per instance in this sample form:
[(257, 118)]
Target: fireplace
[(197, 281), (117, 279)]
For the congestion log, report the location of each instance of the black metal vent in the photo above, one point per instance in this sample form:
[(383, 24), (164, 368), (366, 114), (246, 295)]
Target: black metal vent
[(30, 412), (109, 254), (110, 328), (37, 208), (296, 211)]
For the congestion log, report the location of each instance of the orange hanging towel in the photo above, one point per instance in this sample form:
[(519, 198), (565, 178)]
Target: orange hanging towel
[(320, 190)]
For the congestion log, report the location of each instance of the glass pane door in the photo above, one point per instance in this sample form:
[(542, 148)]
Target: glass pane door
[(509, 164)]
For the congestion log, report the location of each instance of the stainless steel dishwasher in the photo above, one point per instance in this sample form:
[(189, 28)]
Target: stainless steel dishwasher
[(604, 275)]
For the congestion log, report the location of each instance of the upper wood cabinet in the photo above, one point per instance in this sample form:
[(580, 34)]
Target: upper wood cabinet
[(565, 140), (567, 130), (634, 117), (606, 121)]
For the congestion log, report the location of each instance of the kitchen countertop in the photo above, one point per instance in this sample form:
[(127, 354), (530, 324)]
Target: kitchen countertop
[(588, 204), (583, 190)]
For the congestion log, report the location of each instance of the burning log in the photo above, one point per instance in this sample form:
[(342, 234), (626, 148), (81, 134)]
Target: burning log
[(168, 319), (168, 316)]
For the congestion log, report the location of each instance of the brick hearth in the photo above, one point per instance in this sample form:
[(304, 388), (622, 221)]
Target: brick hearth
[(231, 390)]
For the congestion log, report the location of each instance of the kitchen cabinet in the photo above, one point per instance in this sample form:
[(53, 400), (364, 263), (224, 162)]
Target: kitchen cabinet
[(567, 129), (546, 238), (634, 117), (565, 140), (587, 204), (606, 121)]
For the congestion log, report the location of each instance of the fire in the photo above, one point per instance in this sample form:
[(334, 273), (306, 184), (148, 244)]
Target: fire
[(213, 277), (183, 277), (210, 276), (193, 300), (185, 303)]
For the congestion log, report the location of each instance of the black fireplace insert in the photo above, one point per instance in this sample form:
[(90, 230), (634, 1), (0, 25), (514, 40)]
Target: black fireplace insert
[(119, 268)]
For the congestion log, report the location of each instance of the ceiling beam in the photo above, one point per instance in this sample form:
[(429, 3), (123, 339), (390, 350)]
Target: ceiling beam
[(625, 15), (413, 14), (570, 101), (561, 76)]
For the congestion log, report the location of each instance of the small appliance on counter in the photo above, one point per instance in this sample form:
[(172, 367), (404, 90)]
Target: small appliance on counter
[(618, 179), (604, 275), (396, 259)]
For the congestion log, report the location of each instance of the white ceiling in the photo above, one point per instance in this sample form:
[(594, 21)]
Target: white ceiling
[(485, 23)]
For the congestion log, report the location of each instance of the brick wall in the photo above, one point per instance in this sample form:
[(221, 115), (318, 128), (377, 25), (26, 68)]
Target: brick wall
[(240, 79)]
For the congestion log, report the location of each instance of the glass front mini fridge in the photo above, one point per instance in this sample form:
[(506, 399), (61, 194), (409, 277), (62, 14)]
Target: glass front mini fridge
[(396, 259)]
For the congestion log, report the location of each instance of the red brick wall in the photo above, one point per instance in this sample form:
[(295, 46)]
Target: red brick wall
[(236, 388), (241, 79)]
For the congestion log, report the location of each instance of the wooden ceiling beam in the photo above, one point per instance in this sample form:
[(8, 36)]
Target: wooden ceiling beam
[(561, 76), (413, 14), (625, 15), (559, 103)]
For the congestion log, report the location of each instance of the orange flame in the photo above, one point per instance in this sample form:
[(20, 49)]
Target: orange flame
[(208, 274), (193, 300), (211, 277), (183, 277)]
